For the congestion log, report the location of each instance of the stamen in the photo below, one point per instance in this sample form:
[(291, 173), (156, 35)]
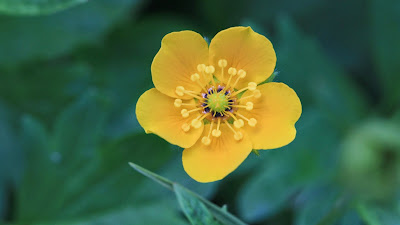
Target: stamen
[(252, 121), (204, 116), (201, 68), (252, 86), (237, 134), (196, 123), (210, 69), (185, 113), (242, 74), (206, 140), (217, 132), (185, 127), (196, 78), (179, 90), (256, 94), (222, 63), (238, 123), (232, 72), (249, 106), (178, 103)]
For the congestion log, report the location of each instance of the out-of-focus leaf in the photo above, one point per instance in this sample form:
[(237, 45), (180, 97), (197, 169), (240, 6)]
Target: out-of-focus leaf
[(46, 37), (220, 214), (36, 7), (86, 180), (143, 214), (305, 68), (351, 217), (194, 209), (3, 201), (370, 160), (11, 155), (285, 172), (385, 32), (320, 206), (376, 215)]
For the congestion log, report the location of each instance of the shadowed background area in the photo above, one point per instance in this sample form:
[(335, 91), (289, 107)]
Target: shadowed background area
[(71, 72)]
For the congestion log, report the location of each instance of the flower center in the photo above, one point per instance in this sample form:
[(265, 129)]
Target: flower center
[(218, 102)]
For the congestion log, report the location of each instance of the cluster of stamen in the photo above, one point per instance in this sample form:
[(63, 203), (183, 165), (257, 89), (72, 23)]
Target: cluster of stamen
[(218, 102)]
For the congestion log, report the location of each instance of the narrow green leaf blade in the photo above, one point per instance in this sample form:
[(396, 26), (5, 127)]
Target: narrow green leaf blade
[(36, 7), (155, 177), (194, 209), (221, 214)]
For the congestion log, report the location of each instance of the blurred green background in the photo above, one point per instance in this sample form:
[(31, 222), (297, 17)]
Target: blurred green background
[(71, 72)]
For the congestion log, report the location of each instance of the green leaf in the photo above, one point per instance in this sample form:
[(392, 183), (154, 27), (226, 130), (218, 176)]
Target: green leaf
[(85, 172), (321, 206), (220, 214), (36, 7), (11, 155), (46, 37), (369, 160), (194, 209), (385, 33), (283, 173), (306, 68), (378, 215)]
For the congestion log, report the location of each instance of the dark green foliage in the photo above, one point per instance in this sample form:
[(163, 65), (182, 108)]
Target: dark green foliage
[(71, 72)]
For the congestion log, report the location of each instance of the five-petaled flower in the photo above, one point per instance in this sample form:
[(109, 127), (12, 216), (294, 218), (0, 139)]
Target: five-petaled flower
[(207, 100)]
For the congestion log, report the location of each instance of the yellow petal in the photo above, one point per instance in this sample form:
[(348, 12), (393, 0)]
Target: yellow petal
[(215, 161), (157, 114), (243, 49), (177, 60), (276, 112)]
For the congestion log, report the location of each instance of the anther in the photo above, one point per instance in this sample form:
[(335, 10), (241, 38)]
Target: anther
[(210, 69), (201, 67), (180, 90), (232, 71), (252, 122), (196, 123), (217, 132), (185, 113), (222, 63), (195, 77), (256, 94), (185, 127), (178, 102), (238, 136), (241, 73), (252, 86), (238, 123), (249, 106), (206, 140)]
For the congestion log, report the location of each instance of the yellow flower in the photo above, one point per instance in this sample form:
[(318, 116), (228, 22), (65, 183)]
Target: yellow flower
[(207, 100)]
